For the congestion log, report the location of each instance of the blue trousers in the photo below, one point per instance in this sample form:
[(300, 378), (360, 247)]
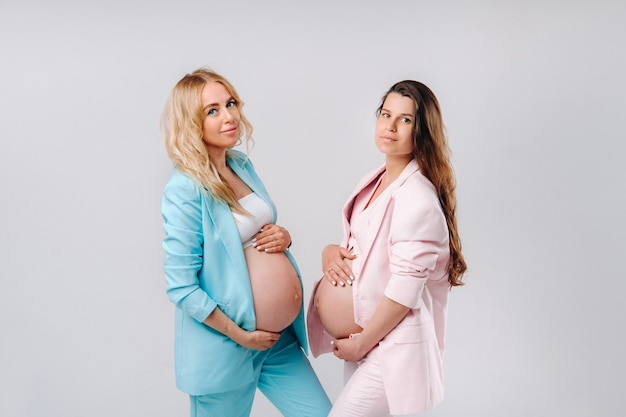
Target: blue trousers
[(283, 374)]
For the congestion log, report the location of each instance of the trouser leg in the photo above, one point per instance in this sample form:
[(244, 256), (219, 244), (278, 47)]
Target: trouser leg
[(235, 403), (289, 382), (363, 394)]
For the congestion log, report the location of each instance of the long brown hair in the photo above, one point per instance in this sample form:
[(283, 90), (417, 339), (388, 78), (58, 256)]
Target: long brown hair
[(433, 158)]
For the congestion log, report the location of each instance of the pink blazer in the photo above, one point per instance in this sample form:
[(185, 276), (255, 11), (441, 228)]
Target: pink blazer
[(405, 258)]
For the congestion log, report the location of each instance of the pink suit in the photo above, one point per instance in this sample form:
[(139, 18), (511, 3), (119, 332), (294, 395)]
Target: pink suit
[(402, 253)]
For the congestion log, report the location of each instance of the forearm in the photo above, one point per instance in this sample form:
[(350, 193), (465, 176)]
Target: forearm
[(386, 317), (256, 339), (220, 322)]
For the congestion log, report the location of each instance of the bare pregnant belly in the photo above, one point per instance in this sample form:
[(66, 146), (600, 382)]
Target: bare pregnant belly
[(335, 307), (276, 289)]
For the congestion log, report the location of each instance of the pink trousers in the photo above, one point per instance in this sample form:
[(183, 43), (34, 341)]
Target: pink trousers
[(363, 394)]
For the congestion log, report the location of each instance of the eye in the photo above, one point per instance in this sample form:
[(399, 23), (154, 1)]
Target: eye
[(211, 112), (385, 115), (231, 103), (406, 120)]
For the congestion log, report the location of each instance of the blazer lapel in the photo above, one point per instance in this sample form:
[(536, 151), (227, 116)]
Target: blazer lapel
[(375, 223), (254, 185), (223, 222), (349, 206), (222, 219)]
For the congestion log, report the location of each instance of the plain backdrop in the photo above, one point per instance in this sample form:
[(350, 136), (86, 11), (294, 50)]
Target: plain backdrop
[(534, 99)]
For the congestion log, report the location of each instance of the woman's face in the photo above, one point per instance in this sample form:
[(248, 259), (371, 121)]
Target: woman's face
[(394, 128), (221, 118)]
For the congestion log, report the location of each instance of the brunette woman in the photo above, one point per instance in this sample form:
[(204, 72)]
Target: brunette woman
[(381, 305)]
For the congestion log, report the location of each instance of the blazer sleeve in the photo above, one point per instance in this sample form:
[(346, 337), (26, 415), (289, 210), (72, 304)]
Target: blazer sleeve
[(181, 208), (418, 236)]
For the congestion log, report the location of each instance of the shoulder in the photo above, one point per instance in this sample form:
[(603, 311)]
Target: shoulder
[(417, 211), (180, 186), (418, 195), (422, 183)]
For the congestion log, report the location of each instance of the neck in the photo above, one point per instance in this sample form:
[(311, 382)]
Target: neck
[(395, 165), (218, 159)]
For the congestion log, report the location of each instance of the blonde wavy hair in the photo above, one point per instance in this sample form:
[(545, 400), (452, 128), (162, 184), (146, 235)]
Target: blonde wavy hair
[(181, 126), (432, 154)]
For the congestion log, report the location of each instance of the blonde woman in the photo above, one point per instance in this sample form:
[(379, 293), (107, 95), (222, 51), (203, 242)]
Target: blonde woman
[(236, 287), (381, 305)]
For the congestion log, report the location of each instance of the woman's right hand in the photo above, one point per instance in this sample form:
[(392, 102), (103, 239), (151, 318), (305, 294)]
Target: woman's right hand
[(335, 268), (256, 339), (259, 339)]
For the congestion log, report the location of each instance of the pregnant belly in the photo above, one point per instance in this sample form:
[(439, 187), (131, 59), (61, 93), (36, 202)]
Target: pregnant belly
[(276, 289), (336, 309)]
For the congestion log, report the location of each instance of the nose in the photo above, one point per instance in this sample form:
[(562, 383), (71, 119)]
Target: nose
[(391, 126), (228, 115)]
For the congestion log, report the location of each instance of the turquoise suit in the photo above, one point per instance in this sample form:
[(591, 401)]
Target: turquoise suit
[(205, 268)]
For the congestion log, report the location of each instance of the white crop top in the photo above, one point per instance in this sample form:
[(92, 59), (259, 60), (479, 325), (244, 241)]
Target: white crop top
[(250, 225)]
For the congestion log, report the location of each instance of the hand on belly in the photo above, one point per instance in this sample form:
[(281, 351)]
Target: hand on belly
[(335, 307), (276, 289)]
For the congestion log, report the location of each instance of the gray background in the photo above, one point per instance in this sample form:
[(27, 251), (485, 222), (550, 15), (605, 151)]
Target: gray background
[(534, 98)]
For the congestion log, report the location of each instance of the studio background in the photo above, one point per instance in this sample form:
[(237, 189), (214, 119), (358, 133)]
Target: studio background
[(534, 99)]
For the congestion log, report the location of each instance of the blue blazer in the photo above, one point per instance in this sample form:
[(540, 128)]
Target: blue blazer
[(205, 268)]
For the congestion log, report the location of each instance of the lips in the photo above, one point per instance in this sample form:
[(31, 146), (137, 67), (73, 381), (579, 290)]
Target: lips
[(229, 130)]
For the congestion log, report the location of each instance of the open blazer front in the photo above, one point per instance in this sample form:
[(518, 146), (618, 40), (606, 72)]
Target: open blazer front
[(205, 268), (404, 257)]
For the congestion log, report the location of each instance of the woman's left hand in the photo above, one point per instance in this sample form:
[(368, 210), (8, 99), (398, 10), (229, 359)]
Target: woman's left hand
[(272, 238), (348, 349)]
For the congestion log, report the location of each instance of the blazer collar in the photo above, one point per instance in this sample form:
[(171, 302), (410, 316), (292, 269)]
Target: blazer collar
[(253, 183), (408, 170), (375, 222)]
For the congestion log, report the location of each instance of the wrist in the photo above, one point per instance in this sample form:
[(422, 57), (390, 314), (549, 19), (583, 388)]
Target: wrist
[(327, 248), (363, 345), (235, 333)]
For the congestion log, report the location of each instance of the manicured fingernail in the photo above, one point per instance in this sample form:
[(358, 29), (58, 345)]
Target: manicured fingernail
[(342, 284)]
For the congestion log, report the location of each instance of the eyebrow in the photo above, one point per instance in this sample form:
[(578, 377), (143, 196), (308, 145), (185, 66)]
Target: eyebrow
[(231, 98), (401, 114)]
